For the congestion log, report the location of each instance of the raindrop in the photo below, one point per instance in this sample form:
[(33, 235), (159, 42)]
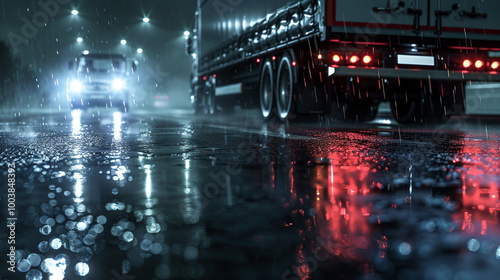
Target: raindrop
[(70, 225), (67, 193), (128, 236), (146, 244), (34, 259), (156, 248), (43, 246), (53, 202), (58, 190), (404, 249), (71, 235), (51, 222), (81, 226), (114, 191), (125, 267), (191, 253), (498, 253), (19, 254), (55, 243), (60, 218), (51, 195), (81, 269), (81, 208), (130, 226), (88, 240), (47, 264), (473, 245), (45, 230), (43, 219), (34, 274), (85, 254), (116, 230), (69, 212), (98, 228), (153, 228), (52, 187), (23, 265), (101, 220)]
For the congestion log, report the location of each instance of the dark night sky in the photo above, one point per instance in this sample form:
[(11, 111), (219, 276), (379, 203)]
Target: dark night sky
[(102, 24)]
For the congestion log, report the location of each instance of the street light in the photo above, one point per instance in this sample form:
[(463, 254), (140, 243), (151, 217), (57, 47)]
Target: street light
[(74, 12), (145, 19), (139, 50), (123, 42), (79, 39)]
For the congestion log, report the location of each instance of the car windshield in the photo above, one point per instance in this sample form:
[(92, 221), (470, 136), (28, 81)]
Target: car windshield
[(101, 65)]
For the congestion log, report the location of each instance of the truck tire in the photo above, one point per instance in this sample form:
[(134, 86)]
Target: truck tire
[(285, 89), (427, 109), (406, 112), (266, 92)]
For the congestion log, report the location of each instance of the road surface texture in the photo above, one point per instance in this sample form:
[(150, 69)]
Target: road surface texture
[(168, 195)]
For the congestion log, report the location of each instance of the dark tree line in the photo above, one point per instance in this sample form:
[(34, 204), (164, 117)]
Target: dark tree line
[(17, 82)]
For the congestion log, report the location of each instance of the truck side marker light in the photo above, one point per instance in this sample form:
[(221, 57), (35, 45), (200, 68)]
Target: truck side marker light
[(320, 56)]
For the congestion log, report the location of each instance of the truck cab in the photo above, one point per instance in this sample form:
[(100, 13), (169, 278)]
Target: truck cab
[(99, 80)]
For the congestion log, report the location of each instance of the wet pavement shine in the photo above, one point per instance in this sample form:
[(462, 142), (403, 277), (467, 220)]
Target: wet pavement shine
[(155, 195)]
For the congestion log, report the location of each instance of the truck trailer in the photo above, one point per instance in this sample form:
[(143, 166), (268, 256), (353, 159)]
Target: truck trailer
[(428, 58)]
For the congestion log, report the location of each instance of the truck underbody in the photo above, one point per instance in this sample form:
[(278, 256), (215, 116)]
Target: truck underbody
[(299, 59)]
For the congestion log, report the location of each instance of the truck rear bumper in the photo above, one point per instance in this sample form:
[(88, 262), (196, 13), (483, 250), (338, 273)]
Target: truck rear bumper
[(414, 74)]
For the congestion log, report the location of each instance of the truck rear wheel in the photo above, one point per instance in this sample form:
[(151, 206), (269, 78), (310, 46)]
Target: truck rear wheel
[(285, 90), (266, 90), (405, 112)]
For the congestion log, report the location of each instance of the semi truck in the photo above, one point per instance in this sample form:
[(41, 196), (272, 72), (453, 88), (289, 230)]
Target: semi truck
[(97, 79), (428, 59)]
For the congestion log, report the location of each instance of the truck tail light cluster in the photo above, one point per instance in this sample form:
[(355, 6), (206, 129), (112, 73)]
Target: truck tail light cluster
[(352, 59), (480, 64)]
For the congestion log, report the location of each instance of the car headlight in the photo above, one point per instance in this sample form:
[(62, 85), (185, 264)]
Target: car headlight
[(118, 84), (75, 86)]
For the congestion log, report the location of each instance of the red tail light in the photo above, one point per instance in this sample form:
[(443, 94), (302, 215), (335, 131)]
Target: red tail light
[(336, 58), (494, 65), (367, 59), (354, 59), (467, 63), (479, 64), (258, 60), (320, 56)]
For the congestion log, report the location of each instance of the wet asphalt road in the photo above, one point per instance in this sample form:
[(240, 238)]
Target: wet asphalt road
[(161, 194)]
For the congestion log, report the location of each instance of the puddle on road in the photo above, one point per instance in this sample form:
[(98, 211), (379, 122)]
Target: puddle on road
[(341, 205)]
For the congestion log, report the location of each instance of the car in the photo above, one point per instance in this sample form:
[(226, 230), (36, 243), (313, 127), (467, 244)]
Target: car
[(99, 80)]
